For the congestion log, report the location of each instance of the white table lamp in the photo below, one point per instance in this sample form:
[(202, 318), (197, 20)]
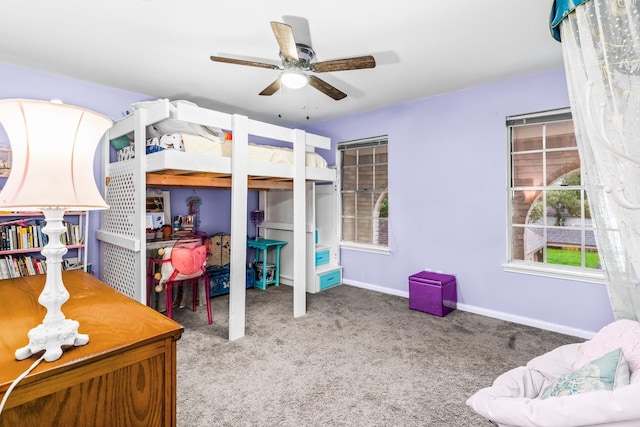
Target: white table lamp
[(53, 146)]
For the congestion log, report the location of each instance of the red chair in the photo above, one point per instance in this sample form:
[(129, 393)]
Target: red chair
[(181, 264)]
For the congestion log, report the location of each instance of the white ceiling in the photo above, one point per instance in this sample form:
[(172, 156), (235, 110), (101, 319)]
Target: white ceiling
[(161, 48)]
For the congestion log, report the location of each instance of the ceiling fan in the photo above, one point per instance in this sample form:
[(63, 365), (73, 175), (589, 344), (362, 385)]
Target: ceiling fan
[(297, 60)]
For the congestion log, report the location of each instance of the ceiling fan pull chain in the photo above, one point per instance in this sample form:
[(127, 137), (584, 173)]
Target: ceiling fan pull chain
[(307, 107)]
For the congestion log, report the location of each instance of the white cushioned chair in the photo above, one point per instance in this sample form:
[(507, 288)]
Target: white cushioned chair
[(594, 383)]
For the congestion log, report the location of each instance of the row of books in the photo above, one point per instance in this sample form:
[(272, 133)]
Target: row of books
[(12, 266), (28, 236)]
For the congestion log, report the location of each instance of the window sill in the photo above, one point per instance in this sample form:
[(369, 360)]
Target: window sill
[(558, 272), (365, 248)]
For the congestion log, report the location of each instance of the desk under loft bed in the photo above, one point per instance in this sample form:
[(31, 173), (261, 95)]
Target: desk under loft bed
[(122, 233)]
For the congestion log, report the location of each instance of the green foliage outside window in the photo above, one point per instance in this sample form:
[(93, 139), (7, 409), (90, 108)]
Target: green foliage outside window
[(564, 202), (384, 209)]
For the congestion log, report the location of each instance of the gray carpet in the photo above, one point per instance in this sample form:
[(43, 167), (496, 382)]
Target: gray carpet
[(357, 358)]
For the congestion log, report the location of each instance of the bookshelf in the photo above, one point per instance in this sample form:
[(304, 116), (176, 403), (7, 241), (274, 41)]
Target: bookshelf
[(22, 240)]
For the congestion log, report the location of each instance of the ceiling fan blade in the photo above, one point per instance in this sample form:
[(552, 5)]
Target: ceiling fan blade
[(300, 27), (272, 88), (326, 88), (284, 36), (244, 62), (356, 63)]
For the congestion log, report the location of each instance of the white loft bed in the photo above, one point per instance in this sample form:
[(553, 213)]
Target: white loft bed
[(122, 233)]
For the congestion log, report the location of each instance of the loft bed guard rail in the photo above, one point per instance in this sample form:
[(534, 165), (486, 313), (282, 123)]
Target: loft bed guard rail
[(122, 233)]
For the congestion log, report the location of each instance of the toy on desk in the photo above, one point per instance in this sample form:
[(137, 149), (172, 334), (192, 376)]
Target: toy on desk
[(190, 223), (193, 203), (177, 222)]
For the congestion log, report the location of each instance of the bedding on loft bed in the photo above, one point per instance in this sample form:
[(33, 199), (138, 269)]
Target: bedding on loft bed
[(191, 143), (173, 134)]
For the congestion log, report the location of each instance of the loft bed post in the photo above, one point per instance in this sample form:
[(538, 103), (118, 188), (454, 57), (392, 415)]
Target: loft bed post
[(299, 224), (139, 196), (239, 194), (104, 187)]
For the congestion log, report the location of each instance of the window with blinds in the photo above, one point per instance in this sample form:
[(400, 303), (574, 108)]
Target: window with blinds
[(364, 192), (549, 222)]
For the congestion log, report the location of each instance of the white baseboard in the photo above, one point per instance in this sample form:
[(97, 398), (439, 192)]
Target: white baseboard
[(376, 288), (536, 323)]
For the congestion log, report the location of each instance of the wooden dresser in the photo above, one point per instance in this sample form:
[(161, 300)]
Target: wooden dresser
[(124, 376)]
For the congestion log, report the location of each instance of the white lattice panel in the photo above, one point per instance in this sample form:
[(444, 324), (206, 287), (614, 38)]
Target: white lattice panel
[(121, 200), (120, 265), (118, 270)]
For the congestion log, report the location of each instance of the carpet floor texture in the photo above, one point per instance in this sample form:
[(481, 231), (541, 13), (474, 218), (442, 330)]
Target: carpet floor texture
[(357, 358)]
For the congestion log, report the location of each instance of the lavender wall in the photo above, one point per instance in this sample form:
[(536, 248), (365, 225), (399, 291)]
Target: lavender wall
[(18, 82), (447, 212), (215, 209)]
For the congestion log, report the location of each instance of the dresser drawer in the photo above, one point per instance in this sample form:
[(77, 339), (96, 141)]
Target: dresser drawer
[(329, 279), (322, 256)]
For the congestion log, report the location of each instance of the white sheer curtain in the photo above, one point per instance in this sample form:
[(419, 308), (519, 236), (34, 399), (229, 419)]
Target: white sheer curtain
[(601, 44)]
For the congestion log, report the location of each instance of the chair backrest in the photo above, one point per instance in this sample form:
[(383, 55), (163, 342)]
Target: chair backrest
[(185, 260), (189, 260)]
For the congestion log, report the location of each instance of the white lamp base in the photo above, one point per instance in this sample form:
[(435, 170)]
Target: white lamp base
[(55, 333), (52, 338)]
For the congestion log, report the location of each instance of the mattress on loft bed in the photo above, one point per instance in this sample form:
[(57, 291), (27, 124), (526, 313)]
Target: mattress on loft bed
[(190, 143)]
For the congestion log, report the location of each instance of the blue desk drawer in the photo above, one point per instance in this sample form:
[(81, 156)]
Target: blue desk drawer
[(330, 278), (322, 257)]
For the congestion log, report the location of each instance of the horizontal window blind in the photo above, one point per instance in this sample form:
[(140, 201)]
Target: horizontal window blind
[(363, 143), (541, 117)]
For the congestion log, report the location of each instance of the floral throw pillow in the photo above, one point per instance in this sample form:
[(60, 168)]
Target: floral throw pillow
[(606, 373)]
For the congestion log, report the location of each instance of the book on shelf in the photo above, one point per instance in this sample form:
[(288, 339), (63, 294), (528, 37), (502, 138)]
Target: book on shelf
[(12, 266), (4, 269), (28, 262), (30, 236)]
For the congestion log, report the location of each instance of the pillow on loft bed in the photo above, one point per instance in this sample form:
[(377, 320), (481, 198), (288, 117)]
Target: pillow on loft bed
[(120, 142), (198, 144)]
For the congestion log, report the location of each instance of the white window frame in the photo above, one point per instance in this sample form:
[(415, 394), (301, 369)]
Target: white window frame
[(350, 245), (529, 267)]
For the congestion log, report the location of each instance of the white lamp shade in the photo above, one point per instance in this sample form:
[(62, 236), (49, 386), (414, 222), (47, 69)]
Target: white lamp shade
[(52, 146), (294, 79)]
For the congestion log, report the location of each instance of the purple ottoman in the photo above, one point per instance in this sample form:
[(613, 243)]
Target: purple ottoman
[(433, 293)]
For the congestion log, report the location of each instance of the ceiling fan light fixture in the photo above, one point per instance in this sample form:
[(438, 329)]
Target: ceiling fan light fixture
[(294, 79)]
